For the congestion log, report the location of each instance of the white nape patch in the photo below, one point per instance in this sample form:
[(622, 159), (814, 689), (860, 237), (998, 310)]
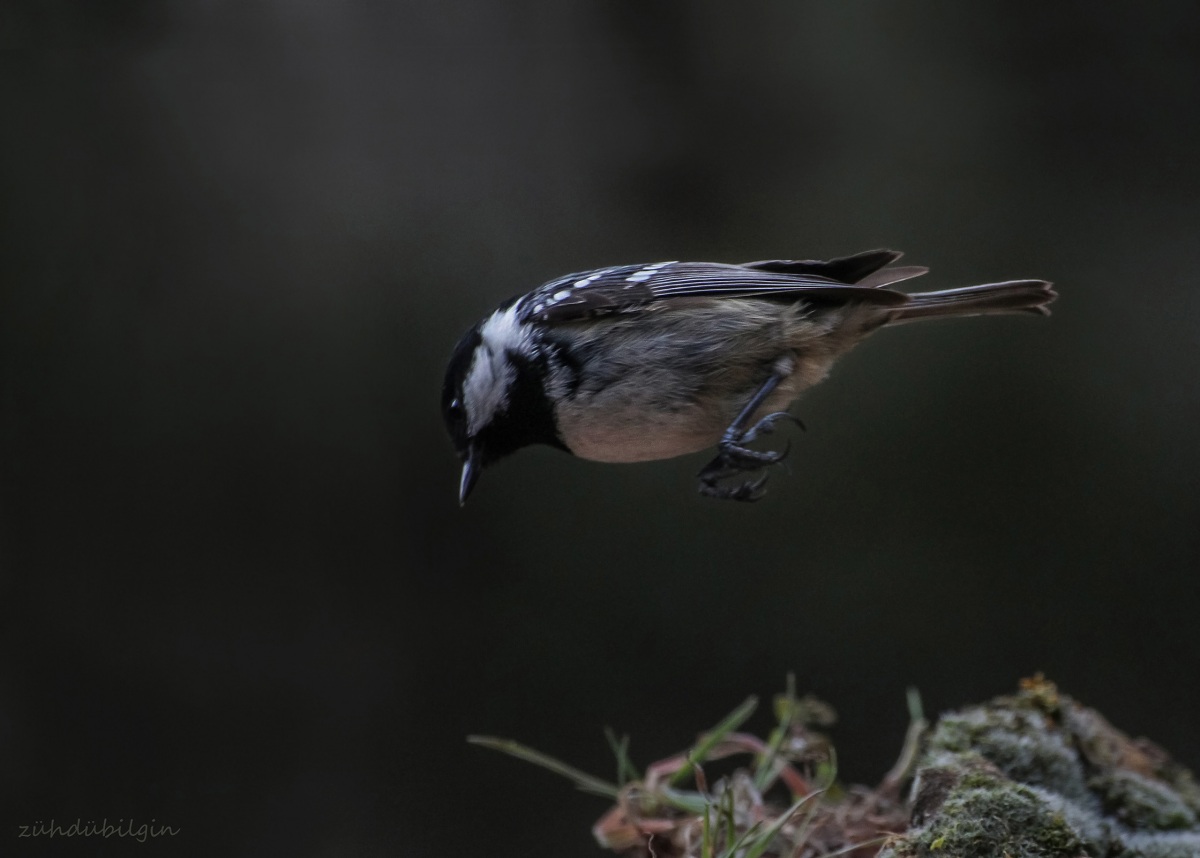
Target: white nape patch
[(644, 274), (486, 386)]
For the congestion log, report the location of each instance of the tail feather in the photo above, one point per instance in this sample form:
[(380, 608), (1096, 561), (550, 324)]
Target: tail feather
[(1013, 296)]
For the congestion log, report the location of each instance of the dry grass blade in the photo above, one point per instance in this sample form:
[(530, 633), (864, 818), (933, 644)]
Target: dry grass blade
[(854, 847)]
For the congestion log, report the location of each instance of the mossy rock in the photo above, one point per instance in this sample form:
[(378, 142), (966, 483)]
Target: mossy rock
[(1037, 775)]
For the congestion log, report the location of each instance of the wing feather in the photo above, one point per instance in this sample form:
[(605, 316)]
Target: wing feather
[(636, 288)]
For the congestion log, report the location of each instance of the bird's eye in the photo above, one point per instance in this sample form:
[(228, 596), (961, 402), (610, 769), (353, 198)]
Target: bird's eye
[(456, 408)]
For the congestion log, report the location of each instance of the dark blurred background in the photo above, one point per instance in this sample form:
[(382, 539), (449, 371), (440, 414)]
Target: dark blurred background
[(240, 239)]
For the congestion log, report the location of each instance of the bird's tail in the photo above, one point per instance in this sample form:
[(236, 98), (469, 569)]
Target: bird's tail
[(1013, 296)]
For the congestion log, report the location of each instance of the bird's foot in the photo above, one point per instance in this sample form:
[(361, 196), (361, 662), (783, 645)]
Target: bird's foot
[(734, 458), (748, 491)]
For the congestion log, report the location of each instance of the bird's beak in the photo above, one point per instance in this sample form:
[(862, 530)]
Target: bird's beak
[(470, 474)]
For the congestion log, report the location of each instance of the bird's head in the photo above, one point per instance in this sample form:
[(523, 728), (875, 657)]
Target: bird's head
[(494, 397)]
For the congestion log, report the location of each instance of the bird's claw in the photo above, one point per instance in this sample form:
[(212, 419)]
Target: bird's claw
[(767, 424), (734, 458), (744, 459), (748, 492)]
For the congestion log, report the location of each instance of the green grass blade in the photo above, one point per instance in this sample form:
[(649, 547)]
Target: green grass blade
[(733, 848), (727, 815), (584, 781), (763, 838), (785, 713), (626, 770), (704, 747), (692, 803)]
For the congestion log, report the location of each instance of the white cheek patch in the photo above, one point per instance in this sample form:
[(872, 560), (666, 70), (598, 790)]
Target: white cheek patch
[(485, 389), (486, 386)]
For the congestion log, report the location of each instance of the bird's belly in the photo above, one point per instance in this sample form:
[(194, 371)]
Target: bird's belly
[(637, 438), (638, 418), (637, 435)]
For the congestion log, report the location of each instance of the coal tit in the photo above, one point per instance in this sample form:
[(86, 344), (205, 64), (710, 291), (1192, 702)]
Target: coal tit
[(641, 362)]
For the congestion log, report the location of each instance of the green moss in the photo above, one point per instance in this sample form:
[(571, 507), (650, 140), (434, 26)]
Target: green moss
[(984, 817)]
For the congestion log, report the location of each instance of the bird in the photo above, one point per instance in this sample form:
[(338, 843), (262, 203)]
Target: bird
[(633, 363)]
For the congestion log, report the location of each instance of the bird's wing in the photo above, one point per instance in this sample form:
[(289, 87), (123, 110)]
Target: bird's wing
[(634, 288)]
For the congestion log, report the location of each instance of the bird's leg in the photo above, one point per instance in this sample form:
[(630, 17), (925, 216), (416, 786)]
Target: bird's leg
[(734, 457)]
